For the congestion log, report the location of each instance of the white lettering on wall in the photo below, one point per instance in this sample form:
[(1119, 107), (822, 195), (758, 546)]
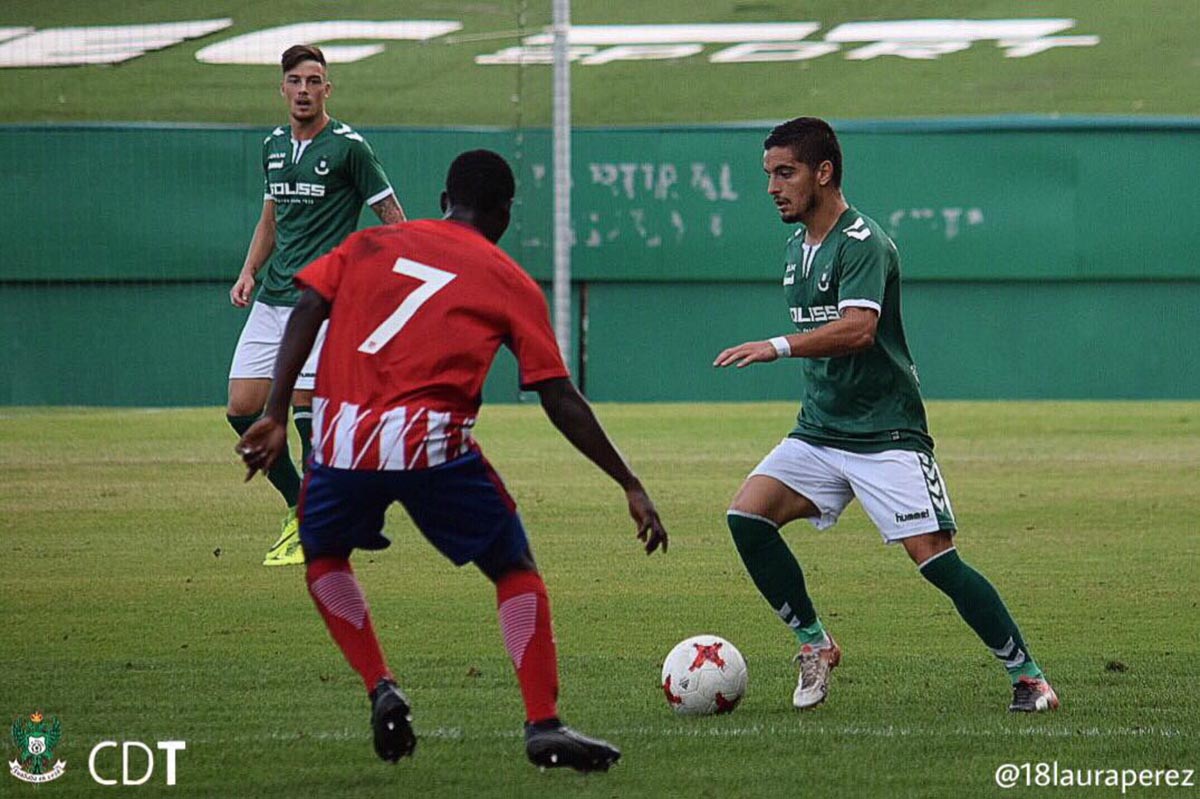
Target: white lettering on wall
[(950, 220), (662, 208)]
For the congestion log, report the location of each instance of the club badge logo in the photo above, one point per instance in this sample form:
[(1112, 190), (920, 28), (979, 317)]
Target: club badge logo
[(35, 738)]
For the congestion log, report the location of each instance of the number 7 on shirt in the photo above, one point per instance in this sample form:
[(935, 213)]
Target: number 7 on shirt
[(432, 280)]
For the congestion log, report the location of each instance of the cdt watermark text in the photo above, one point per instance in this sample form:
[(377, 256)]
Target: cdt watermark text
[(146, 758)]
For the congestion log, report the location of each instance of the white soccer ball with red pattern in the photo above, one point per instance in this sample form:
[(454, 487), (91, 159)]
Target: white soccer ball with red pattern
[(702, 675)]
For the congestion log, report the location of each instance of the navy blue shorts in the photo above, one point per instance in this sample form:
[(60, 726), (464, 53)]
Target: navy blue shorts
[(461, 507)]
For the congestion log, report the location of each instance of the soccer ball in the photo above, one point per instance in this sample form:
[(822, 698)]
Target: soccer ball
[(702, 675)]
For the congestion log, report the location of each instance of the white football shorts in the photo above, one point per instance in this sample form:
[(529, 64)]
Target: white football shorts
[(258, 345), (902, 491)]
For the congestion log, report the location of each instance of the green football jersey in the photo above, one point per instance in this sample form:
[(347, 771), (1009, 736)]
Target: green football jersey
[(319, 187), (868, 401)]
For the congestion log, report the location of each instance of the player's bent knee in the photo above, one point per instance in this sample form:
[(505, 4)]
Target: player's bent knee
[(755, 498), (922, 548), (237, 411), (247, 396), (770, 499)]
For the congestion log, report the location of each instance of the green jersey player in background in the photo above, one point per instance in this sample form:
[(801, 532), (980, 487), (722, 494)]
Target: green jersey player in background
[(318, 173), (861, 431)]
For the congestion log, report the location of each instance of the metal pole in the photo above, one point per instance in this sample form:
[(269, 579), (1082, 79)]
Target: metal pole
[(562, 177)]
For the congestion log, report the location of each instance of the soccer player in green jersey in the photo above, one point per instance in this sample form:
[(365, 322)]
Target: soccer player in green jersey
[(861, 431), (318, 173)]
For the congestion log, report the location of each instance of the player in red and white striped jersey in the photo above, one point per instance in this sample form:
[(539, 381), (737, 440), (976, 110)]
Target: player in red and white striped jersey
[(417, 312), (446, 299)]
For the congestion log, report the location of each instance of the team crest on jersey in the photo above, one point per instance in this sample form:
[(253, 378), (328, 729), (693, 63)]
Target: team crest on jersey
[(35, 738), (823, 282), (322, 167)]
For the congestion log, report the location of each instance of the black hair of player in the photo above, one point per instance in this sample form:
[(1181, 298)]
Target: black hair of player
[(812, 141), (299, 53), (480, 179)]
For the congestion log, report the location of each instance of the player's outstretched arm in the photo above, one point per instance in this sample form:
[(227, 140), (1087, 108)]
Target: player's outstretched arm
[(265, 440), (573, 416), (262, 244), (854, 332)]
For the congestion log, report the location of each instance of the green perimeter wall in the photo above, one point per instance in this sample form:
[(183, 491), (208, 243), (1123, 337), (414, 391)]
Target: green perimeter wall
[(1042, 258), (170, 344)]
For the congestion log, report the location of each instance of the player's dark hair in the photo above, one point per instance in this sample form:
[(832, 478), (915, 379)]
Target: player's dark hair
[(298, 53), (811, 141), (480, 179)]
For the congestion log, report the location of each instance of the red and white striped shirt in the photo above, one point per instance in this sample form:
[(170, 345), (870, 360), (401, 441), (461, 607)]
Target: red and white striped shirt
[(419, 311)]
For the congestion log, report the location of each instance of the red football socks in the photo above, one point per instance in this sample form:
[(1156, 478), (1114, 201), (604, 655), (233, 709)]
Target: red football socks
[(340, 600), (524, 611)]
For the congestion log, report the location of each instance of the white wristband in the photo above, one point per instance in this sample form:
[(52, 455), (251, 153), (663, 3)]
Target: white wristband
[(782, 348)]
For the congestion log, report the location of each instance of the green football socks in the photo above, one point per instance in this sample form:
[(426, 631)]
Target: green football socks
[(283, 474), (982, 609), (302, 418), (776, 573)]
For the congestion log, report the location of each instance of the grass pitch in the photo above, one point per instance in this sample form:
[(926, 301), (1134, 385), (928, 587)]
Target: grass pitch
[(134, 608)]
